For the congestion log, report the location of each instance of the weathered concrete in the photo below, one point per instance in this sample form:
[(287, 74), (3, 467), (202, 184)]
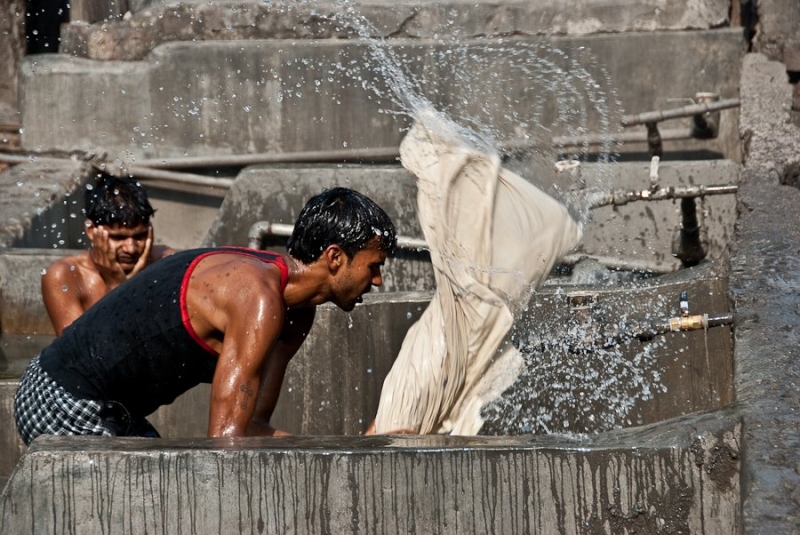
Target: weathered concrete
[(10, 443), (21, 308), (12, 43), (39, 202), (285, 95), (154, 23), (764, 280), (183, 216), (777, 34), (680, 478)]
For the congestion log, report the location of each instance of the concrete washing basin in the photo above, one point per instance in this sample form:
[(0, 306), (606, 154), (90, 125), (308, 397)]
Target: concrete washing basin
[(672, 463)]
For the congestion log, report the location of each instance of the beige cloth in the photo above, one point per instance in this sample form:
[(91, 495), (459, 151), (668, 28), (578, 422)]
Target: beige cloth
[(493, 238)]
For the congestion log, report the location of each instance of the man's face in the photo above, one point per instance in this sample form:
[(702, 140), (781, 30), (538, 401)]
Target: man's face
[(357, 276), (125, 244)]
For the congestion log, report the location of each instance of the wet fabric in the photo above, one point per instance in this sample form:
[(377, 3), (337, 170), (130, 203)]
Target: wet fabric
[(43, 407), (494, 238)]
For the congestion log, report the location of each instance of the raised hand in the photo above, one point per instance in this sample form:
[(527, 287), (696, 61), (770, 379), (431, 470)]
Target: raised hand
[(104, 256)]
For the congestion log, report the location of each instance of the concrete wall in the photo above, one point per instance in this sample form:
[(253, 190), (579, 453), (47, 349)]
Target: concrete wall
[(765, 276), (39, 201), (681, 478), (183, 215), (242, 96), (12, 43), (158, 21), (778, 31)]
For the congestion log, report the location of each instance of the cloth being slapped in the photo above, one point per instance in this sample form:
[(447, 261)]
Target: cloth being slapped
[(494, 237)]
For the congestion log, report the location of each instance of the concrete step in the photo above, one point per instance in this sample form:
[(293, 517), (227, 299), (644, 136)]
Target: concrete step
[(252, 96), (152, 23)]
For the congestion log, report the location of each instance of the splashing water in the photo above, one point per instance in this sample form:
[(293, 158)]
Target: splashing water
[(574, 379), (468, 83)]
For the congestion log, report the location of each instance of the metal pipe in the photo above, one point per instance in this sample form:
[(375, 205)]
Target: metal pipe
[(699, 321), (621, 197), (671, 134), (138, 171), (241, 160), (27, 158), (647, 330), (261, 229), (675, 113), (617, 263)]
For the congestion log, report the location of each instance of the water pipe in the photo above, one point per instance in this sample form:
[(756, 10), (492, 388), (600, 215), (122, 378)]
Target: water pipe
[(262, 229), (242, 160), (647, 330), (685, 322), (705, 125), (670, 134), (621, 197), (706, 105)]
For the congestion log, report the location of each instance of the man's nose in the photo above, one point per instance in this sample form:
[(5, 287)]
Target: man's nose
[(129, 245), (377, 279)]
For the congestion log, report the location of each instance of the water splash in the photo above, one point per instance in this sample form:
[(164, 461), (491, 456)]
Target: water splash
[(465, 85), (468, 84)]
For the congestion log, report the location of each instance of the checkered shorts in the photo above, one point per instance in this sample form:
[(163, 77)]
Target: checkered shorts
[(41, 407)]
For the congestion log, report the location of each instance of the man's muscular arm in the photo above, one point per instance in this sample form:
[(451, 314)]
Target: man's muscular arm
[(242, 301), (61, 292), (296, 325)]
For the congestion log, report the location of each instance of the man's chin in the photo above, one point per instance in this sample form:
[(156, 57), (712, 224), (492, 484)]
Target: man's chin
[(348, 307)]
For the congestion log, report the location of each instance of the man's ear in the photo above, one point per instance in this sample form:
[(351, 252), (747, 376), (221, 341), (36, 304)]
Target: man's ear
[(334, 257)]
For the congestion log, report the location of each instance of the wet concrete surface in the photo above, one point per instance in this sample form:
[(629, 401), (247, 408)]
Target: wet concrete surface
[(765, 291), (681, 477)]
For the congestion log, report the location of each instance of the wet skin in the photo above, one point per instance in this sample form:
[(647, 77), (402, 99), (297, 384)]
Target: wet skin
[(357, 276), (72, 284), (235, 305)]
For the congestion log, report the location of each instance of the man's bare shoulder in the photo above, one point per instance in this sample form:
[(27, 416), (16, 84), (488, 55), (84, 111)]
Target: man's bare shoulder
[(72, 267), (238, 274)]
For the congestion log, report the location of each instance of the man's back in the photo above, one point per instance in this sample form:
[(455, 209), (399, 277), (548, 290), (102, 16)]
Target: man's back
[(136, 345)]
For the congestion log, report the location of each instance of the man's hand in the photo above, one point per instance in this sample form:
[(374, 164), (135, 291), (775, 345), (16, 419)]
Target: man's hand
[(371, 431), (141, 263), (104, 256), (257, 429)]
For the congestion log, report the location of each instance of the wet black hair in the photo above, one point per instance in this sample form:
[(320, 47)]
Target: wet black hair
[(343, 217), (109, 200)]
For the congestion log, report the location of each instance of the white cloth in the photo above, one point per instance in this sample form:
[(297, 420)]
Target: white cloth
[(493, 238)]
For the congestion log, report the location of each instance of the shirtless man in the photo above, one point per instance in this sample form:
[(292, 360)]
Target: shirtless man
[(229, 316), (121, 238)]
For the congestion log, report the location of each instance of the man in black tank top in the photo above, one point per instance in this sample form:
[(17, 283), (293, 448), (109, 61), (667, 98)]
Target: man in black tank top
[(229, 316)]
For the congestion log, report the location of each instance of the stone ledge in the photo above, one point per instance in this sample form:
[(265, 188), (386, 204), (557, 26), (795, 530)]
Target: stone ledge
[(134, 37), (681, 477)]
